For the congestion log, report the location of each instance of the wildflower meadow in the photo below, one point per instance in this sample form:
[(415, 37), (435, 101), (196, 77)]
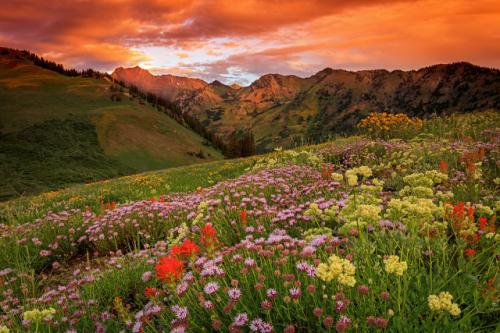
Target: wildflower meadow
[(392, 230)]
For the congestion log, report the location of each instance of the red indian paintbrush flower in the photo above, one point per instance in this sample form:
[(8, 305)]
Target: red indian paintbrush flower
[(243, 215), (209, 231), (169, 269), (483, 223), (443, 166), (186, 250), (208, 237), (469, 252), (150, 292)]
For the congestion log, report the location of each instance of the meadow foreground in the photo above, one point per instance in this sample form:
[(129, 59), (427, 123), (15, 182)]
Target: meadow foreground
[(394, 231)]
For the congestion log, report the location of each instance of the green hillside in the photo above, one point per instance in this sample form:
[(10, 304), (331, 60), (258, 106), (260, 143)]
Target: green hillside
[(57, 130)]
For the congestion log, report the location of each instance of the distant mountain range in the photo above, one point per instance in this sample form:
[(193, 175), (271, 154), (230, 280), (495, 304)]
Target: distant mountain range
[(282, 108), (61, 126)]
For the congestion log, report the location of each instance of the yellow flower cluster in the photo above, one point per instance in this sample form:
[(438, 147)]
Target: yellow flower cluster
[(352, 174), (394, 266), (4, 329), (338, 177), (202, 212), (36, 315), (309, 234), (383, 122), (337, 268), (362, 208), (316, 214), (352, 180), (363, 171), (443, 302), (282, 157), (313, 210)]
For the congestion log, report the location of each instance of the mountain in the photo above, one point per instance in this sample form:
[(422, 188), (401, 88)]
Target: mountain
[(282, 108), (167, 86), (57, 130)]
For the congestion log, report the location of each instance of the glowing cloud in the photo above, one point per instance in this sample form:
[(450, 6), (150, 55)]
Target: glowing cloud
[(240, 40)]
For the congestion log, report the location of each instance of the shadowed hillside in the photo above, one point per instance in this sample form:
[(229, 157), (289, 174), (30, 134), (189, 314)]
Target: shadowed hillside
[(57, 130), (282, 108)]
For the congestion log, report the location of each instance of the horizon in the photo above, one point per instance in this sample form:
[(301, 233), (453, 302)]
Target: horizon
[(238, 43), (306, 76)]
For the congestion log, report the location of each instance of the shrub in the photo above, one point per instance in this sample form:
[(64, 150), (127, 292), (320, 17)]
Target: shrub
[(388, 125)]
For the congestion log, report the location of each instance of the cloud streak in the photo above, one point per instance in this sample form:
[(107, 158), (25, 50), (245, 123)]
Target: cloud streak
[(240, 40)]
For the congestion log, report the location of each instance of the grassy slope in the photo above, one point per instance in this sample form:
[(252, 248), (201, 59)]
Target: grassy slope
[(133, 137)]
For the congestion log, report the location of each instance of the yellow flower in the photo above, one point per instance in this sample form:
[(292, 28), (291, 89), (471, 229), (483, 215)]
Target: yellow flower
[(4, 329), (337, 177), (454, 310), (394, 266), (352, 180), (337, 268), (324, 273), (38, 315), (434, 303), (347, 280), (443, 302)]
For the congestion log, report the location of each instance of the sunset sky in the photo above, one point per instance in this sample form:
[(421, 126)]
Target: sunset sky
[(239, 40)]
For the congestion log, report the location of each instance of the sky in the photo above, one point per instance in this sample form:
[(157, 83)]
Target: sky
[(236, 41)]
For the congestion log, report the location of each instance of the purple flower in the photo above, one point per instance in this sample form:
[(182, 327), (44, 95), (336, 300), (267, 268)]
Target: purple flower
[(208, 305), (340, 306), (271, 293), (249, 262), (305, 267), (137, 327), (241, 319), (343, 324), (211, 288), (234, 293), (178, 329), (308, 251), (318, 240), (182, 287), (295, 293), (146, 276), (258, 325), (212, 271), (180, 312), (188, 277), (386, 224)]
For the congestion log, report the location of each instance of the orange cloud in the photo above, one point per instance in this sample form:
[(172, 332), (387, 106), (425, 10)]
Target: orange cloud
[(255, 36), (182, 55)]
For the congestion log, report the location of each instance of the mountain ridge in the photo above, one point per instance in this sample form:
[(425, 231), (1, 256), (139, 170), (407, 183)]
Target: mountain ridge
[(280, 108)]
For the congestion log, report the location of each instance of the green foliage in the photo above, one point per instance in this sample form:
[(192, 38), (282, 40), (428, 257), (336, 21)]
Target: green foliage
[(51, 155)]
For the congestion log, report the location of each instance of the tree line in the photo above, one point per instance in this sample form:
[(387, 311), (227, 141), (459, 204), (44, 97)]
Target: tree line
[(50, 65), (238, 143)]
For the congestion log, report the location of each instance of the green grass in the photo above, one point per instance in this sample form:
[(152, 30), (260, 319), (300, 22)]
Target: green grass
[(53, 154), (136, 187), (127, 136)]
